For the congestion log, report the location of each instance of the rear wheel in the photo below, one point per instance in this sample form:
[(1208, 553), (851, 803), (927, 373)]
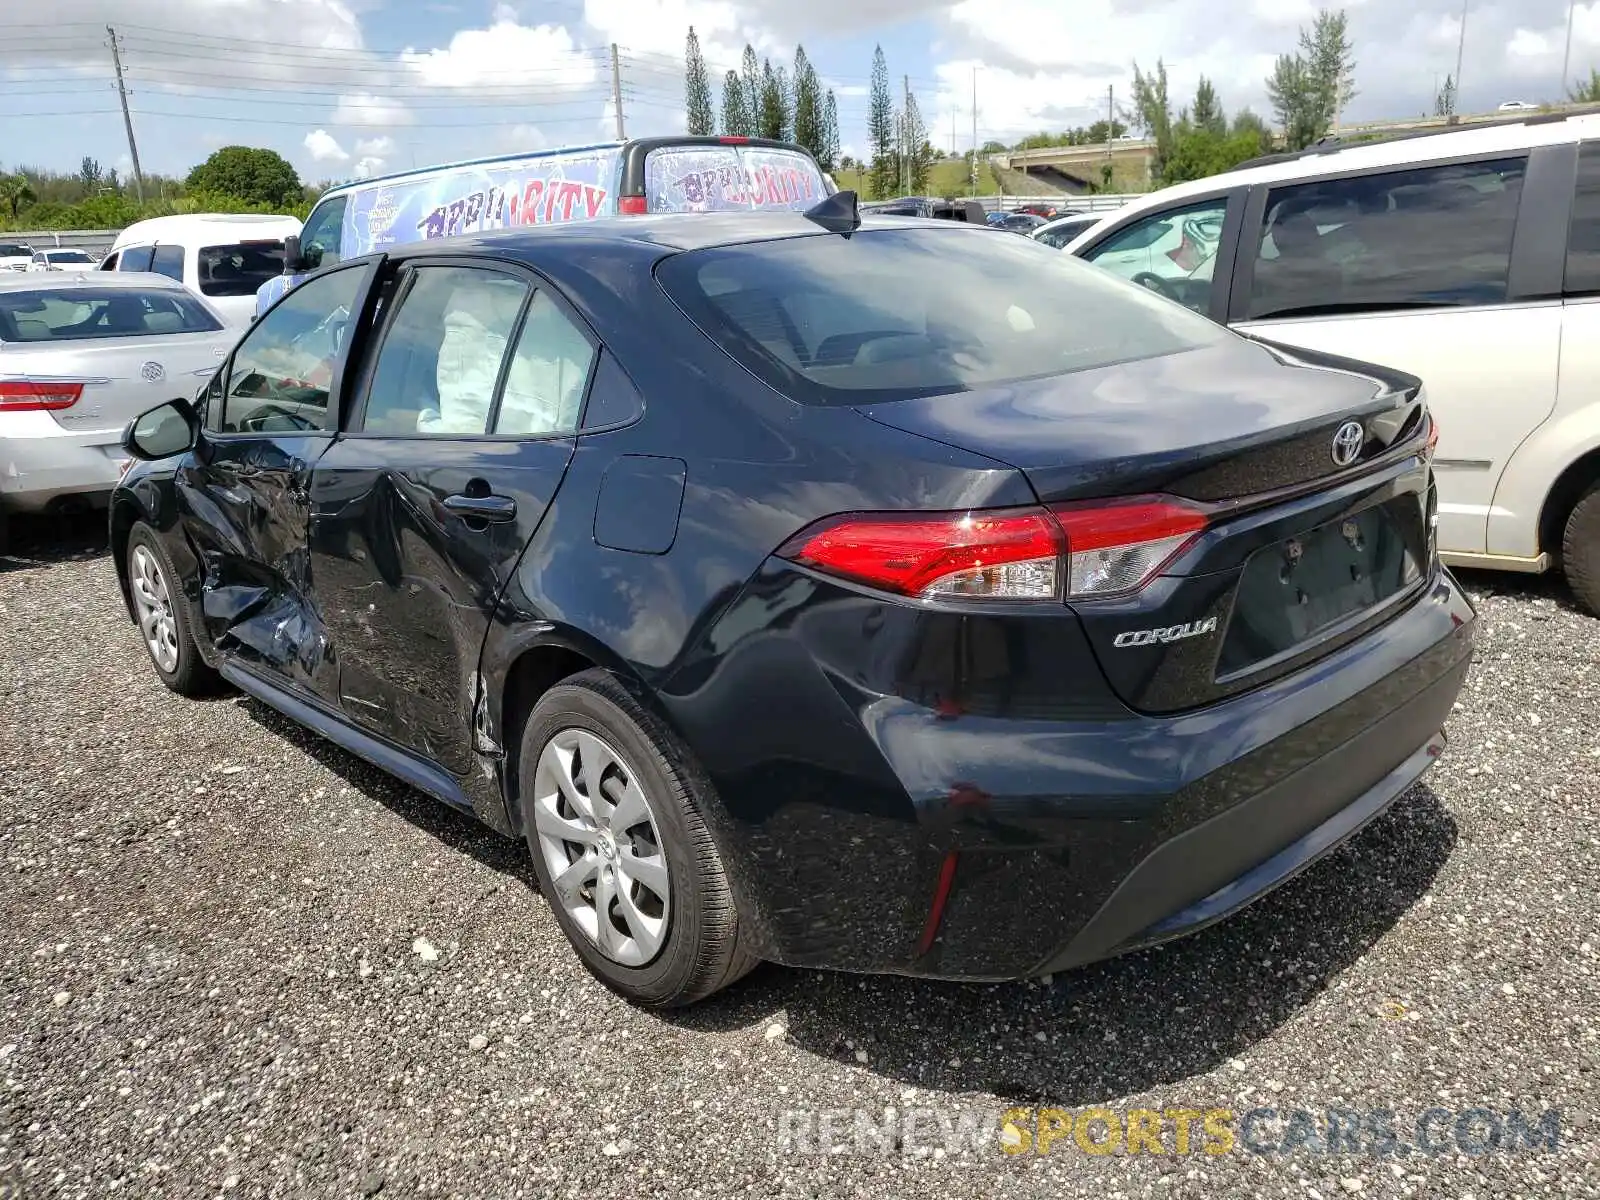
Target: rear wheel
[(163, 619), (611, 807), (1580, 550)]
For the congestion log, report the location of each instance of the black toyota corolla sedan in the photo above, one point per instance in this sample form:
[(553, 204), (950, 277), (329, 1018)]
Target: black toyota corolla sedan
[(882, 596)]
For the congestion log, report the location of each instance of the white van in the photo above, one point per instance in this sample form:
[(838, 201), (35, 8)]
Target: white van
[(580, 183), (225, 257), (1469, 257)]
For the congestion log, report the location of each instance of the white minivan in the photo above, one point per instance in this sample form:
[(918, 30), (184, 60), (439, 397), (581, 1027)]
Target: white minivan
[(224, 257), (1469, 257)]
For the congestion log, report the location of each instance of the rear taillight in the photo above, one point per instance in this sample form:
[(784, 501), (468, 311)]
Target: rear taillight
[(1433, 435), (1118, 545), (731, 140), (33, 395), (632, 206), (1078, 551)]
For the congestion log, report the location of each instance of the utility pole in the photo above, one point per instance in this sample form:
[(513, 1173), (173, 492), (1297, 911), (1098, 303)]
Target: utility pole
[(1566, 59), (1460, 47), (616, 91), (905, 140), (127, 121), (1111, 128), (974, 131)]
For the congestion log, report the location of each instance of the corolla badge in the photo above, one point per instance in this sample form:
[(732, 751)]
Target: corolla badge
[(1347, 443), (152, 372), (1169, 633)]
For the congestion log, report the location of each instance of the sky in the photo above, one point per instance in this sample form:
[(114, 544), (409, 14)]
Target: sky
[(346, 88)]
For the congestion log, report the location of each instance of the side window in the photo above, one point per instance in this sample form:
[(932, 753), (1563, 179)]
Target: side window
[(39, 260), (544, 388), (109, 262), (210, 402), (1583, 238), (319, 238), (168, 261), (1173, 252), (136, 258), (282, 371), (441, 354), (1434, 237)]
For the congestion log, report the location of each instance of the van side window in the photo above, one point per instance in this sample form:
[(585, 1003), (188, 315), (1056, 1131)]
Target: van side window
[(1433, 237), (168, 261), (1583, 238), (319, 240), (136, 258)]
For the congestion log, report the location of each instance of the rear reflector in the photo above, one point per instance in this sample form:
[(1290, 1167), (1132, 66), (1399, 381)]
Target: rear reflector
[(632, 206), (1074, 551), (28, 395)]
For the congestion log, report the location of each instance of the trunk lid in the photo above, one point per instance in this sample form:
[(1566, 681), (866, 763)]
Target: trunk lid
[(1301, 554), (122, 377)]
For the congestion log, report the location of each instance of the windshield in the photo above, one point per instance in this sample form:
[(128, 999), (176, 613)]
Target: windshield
[(699, 178), (239, 269), (889, 314), (15, 250), (70, 256), (68, 314)]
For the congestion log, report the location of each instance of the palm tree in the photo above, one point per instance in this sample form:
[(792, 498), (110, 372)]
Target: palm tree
[(15, 191)]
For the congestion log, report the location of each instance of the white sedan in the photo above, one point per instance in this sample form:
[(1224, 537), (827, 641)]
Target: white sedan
[(63, 258), (80, 356)]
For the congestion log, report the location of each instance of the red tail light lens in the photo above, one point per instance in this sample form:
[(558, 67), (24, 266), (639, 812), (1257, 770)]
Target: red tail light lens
[(1076, 551), (632, 206), (734, 141), (1119, 545), (29, 395), (1433, 435)]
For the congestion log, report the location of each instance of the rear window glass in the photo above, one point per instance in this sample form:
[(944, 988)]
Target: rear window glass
[(68, 314), (14, 250), (731, 179), (77, 256), (889, 314), (238, 270)]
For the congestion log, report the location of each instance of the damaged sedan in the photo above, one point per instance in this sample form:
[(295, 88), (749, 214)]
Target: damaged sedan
[(840, 592)]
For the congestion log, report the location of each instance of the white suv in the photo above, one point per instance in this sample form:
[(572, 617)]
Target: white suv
[(1469, 257)]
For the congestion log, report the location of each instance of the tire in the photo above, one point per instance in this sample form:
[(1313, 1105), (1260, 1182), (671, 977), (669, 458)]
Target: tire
[(660, 951), (153, 583), (1580, 550)]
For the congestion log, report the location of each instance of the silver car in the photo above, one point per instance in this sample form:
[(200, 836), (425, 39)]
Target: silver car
[(80, 356)]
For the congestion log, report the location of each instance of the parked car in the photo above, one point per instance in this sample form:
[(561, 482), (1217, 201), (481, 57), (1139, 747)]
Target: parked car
[(224, 257), (81, 356), (788, 591), (1469, 257), (632, 178), (929, 207), (1018, 222), (64, 258), (1045, 209), (15, 256), (1062, 230), (1517, 106)]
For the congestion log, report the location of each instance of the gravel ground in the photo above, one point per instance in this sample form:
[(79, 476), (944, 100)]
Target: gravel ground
[(234, 959)]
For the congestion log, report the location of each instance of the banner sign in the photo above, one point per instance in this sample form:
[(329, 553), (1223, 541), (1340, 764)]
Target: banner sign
[(731, 179), (547, 189)]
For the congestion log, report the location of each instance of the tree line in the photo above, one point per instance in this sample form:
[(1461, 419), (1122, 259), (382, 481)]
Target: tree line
[(762, 100), (234, 179)]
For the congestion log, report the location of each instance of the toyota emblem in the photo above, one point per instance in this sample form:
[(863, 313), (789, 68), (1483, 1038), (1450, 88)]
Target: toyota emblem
[(1347, 443), (152, 372)]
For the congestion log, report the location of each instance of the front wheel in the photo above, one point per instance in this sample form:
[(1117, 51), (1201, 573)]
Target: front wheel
[(1580, 551), (163, 619), (611, 807)]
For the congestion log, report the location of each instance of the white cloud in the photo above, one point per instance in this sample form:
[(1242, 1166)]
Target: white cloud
[(506, 54), (368, 110), (325, 148), (377, 147)]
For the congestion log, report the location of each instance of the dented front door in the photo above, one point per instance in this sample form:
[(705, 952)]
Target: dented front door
[(245, 491)]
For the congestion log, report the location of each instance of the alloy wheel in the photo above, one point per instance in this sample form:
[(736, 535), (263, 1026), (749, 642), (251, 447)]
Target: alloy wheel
[(154, 604), (598, 836)]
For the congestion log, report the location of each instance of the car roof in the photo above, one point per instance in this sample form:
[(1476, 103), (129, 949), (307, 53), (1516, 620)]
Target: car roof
[(662, 234), (40, 281), (180, 228), (1339, 157)]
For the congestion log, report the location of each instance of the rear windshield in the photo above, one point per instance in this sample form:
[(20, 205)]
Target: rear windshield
[(56, 256), (68, 314), (240, 269), (940, 307), (698, 178), (14, 250)]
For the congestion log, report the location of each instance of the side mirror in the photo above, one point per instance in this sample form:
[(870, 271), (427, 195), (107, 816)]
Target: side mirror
[(169, 429), (294, 261)]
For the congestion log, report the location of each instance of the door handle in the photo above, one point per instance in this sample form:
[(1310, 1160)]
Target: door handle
[(494, 509)]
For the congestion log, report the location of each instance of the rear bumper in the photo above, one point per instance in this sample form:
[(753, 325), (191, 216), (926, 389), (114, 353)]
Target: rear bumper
[(41, 463), (926, 796)]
